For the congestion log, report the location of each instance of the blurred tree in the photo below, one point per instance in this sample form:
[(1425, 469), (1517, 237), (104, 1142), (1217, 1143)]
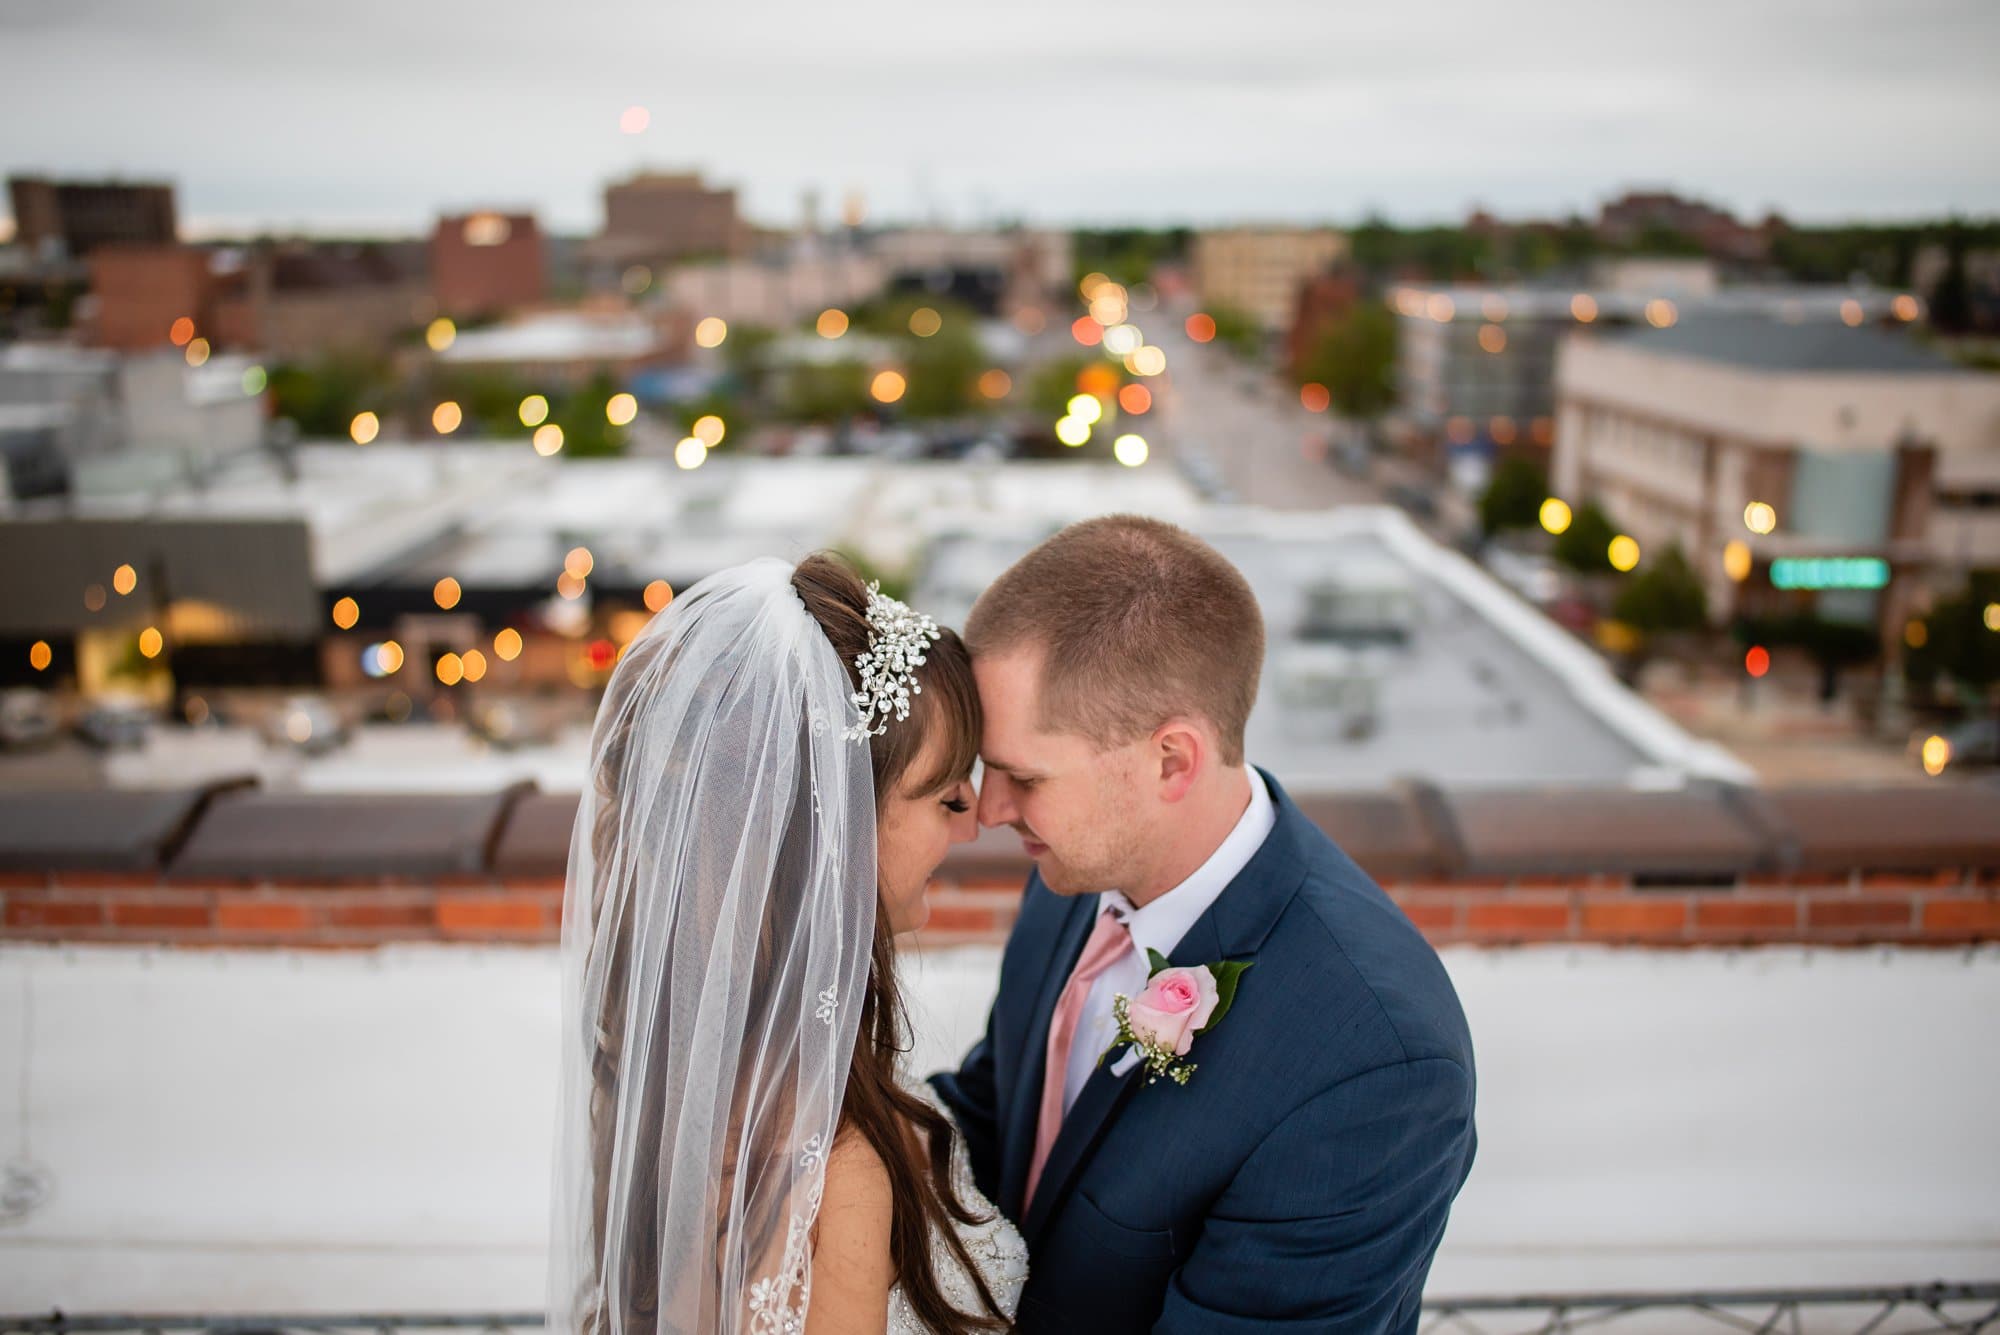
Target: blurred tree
[(1833, 646), (1053, 385), (1356, 361), (1957, 643), (1665, 598), (587, 432), (1237, 331), (832, 392), (1513, 499), (324, 396), (1585, 545)]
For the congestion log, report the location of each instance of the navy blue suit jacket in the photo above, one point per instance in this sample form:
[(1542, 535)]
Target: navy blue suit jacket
[(1300, 1180)]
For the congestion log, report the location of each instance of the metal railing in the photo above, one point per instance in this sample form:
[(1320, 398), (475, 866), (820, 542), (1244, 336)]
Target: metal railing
[(1938, 1309)]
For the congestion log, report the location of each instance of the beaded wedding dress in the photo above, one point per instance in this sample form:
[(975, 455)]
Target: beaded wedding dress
[(996, 1248)]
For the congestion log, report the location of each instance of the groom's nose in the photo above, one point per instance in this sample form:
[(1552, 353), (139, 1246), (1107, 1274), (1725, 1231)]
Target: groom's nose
[(996, 806)]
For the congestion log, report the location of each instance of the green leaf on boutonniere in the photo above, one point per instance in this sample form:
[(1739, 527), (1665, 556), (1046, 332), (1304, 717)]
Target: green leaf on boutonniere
[(1226, 974), (1155, 962)]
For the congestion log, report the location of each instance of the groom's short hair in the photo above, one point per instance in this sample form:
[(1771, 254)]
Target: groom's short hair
[(1138, 622)]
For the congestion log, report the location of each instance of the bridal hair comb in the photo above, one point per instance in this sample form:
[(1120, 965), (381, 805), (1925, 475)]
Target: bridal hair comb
[(897, 639)]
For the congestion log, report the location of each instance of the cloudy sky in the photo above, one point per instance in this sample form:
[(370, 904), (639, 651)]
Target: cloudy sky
[(380, 113)]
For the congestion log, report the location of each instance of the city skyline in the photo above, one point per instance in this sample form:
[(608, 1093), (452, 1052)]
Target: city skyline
[(377, 118)]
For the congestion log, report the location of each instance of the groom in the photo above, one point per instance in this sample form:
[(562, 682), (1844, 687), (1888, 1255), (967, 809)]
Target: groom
[(1300, 1178)]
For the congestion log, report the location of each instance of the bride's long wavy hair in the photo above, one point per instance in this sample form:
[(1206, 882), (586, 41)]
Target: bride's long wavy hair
[(913, 1141)]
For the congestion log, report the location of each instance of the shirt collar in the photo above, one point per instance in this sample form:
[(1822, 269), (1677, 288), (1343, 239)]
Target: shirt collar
[(1161, 924)]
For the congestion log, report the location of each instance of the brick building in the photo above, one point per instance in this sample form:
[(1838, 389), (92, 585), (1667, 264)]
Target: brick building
[(487, 263), (71, 219)]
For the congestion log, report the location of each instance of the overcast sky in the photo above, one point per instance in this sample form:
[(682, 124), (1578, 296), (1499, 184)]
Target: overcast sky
[(380, 113)]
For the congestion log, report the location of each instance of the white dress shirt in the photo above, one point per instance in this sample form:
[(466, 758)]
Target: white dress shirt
[(1160, 925)]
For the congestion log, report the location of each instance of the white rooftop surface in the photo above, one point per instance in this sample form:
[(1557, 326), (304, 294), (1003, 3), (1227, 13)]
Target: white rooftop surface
[(1488, 692), (555, 336), (233, 1131)]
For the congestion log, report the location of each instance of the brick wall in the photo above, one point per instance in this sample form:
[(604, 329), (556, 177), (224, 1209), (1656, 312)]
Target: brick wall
[(236, 866)]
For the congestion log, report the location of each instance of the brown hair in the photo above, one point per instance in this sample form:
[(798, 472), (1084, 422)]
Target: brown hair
[(913, 1139), (1138, 622)]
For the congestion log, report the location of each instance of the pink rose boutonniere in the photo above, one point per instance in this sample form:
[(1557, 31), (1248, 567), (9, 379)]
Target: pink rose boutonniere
[(1178, 1004)]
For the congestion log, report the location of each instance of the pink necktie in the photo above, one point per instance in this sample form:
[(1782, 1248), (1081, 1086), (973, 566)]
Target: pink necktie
[(1108, 943)]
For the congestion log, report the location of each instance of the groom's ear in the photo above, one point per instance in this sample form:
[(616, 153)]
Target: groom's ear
[(1179, 751)]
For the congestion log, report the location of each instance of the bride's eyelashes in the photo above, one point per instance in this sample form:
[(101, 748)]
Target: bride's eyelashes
[(957, 805)]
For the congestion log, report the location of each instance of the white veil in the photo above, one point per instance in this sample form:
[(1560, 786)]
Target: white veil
[(716, 937)]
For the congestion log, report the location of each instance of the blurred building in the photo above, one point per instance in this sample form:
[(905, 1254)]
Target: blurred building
[(1475, 366), (657, 218), (1324, 301), (775, 293), (568, 347), (71, 219), (1258, 270), (285, 300), (484, 263), (1837, 467), (992, 271), (1639, 215)]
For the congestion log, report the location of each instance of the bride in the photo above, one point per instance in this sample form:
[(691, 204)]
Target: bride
[(781, 760)]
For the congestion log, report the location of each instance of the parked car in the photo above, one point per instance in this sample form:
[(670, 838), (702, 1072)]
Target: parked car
[(306, 722), (115, 723), (27, 719)]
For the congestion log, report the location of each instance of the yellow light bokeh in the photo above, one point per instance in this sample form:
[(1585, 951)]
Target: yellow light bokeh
[(441, 334), (658, 594), (197, 352), (1087, 409), (1993, 617), (474, 663), (832, 323), (569, 586), (151, 642), (1147, 361), (1916, 634), (1736, 560), (1087, 286), (1937, 755), (1122, 340), (580, 562), (1556, 515), (1905, 307), (1851, 313), (1440, 308), (364, 428), (548, 439), (711, 332), (1624, 553), (124, 579), (924, 322), (1759, 517), (446, 593), (1661, 313), (346, 613), (1493, 306), (507, 644), (887, 387), (1492, 338), (1129, 450), (447, 417), (1072, 431), (534, 410), (451, 669), (40, 655), (1583, 307), (389, 657), (709, 430), (621, 409), (691, 453)]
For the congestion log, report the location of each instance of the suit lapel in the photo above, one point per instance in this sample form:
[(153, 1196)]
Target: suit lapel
[(1233, 927), (1025, 1111)]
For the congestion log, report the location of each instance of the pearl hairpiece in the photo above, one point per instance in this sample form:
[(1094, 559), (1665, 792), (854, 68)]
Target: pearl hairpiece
[(897, 639)]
